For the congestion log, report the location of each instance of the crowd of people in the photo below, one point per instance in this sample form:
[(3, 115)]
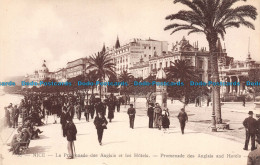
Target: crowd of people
[(35, 109)]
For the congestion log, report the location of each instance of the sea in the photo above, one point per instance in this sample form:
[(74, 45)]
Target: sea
[(6, 99)]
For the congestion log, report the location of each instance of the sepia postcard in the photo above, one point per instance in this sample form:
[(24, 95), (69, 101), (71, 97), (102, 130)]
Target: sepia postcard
[(126, 82)]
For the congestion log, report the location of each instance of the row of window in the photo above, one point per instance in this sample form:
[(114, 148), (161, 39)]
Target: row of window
[(121, 60), (160, 65), (122, 51), (122, 68), (149, 47)]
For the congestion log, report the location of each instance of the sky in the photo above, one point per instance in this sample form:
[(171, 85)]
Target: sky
[(59, 31)]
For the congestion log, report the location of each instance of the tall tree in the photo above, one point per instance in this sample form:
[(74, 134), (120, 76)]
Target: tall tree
[(48, 88), (181, 71), (253, 77), (212, 17), (92, 78), (125, 77), (113, 88), (102, 66)]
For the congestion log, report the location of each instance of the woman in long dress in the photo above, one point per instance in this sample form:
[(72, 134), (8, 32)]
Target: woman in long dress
[(165, 119), (157, 116)]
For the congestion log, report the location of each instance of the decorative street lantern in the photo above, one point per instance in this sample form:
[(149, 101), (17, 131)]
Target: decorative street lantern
[(161, 89)]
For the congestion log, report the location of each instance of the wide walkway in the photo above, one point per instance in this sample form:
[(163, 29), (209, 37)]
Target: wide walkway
[(122, 145)]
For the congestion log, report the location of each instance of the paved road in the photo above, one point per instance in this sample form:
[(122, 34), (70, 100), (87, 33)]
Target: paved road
[(130, 146)]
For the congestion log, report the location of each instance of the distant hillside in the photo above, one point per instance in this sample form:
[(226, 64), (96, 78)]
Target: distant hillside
[(16, 79)]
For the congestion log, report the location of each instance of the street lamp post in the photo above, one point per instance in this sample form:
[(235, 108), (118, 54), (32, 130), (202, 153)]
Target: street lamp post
[(213, 116)]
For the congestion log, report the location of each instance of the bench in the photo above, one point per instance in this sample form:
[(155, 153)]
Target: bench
[(223, 126)]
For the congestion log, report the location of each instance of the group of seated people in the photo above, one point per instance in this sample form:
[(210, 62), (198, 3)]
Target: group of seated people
[(28, 131)]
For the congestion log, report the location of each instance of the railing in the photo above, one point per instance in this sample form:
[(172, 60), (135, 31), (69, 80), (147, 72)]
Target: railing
[(234, 67)]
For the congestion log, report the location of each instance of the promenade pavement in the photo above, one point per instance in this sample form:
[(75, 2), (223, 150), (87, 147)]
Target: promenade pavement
[(122, 145)]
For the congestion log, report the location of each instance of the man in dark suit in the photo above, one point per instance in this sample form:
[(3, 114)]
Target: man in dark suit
[(15, 116), (183, 118), (101, 123), (150, 115), (100, 107), (254, 156), (131, 112), (258, 126), (71, 111), (63, 119), (250, 125)]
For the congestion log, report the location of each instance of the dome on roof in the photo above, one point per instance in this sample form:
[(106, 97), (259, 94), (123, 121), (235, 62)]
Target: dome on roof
[(160, 75), (44, 68)]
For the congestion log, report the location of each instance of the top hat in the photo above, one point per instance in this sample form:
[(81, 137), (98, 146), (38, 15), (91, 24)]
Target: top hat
[(250, 113)]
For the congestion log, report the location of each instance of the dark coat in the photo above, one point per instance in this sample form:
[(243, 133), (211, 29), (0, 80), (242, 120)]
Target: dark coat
[(182, 116), (250, 124), (111, 105), (165, 119), (150, 112), (258, 128), (254, 157), (131, 111), (100, 107), (71, 131), (63, 118), (87, 109), (15, 113), (111, 109), (99, 121), (71, 111)]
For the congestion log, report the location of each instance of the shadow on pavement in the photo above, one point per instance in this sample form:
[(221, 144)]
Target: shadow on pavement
[(140, 127), (113, 142), (38, 149), (41, 137), (82, 134)]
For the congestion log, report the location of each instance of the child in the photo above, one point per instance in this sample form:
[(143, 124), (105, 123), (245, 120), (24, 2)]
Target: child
[(165, 119)]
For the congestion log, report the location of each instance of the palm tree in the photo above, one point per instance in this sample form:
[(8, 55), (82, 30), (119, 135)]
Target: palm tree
[(125, 77), (182, 71), (136, 90), (49, 88), (74, 82), (212, 17), (92, 78), (149, 89), (102, 66), (113, 88)]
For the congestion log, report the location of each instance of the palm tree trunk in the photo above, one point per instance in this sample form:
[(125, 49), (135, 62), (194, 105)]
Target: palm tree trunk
[(100, 89), (212, 39), (87, 96)]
